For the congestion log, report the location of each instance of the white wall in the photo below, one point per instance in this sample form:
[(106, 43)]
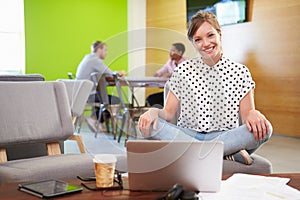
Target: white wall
[(137, 43)]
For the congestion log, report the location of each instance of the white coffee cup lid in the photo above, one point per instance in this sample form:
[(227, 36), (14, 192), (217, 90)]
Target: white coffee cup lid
[(105, 158)]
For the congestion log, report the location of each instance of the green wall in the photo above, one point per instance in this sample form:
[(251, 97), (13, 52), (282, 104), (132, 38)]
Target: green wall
[(58, 33)]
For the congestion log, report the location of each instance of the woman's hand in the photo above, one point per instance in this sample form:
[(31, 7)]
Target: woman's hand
[(147, 119), (151, 116), (257, 123)]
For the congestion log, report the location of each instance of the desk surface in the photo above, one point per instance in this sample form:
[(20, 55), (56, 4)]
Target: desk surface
[(10, 191)]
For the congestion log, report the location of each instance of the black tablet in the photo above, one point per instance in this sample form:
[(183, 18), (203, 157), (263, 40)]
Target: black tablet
[(49, 188)]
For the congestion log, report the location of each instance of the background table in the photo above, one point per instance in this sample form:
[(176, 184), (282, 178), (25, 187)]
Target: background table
[(142, 82), (158, 82)]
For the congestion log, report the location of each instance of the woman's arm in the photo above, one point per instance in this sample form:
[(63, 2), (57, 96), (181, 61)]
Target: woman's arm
[(255, 121), (151, 116)]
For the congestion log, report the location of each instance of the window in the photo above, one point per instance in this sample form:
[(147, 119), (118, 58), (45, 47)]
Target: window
[(227, 11), (12, 40)]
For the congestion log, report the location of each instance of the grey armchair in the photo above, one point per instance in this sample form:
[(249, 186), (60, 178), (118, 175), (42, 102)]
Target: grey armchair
[(22, 77), (32, 150), (78, 92), (38, 112)]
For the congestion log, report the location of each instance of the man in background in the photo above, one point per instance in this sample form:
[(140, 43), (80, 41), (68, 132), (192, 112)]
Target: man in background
[(93, 62)]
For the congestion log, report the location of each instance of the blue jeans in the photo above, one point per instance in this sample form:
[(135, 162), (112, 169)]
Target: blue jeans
[(234, 139)]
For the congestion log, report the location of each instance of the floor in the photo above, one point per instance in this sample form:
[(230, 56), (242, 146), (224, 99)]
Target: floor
[(282, 151)]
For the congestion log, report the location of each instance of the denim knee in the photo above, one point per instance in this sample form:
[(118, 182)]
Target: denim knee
[(269, 134)]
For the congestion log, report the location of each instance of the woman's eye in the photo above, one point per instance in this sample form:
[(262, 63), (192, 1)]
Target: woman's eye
[(211, 35), (196, 40)]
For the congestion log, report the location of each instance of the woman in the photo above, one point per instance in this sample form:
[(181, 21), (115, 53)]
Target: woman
[(213, 93)]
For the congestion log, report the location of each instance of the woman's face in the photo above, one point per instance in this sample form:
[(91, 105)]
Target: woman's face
[(207, 41)]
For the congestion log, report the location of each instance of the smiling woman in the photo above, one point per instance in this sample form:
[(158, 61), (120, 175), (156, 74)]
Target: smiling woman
[(12, 36), (213, 92)]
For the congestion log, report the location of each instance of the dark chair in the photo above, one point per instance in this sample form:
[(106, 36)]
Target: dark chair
[(101, 83), (130, 113)]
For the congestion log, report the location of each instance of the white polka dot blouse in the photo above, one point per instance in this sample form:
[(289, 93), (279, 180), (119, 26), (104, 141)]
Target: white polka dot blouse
[(210, 95)]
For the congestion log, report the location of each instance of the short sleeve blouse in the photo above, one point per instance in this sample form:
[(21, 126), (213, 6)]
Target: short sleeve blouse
[(210, 95)]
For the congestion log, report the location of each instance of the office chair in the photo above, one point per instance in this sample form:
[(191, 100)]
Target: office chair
[(129, 113), (101, 83)]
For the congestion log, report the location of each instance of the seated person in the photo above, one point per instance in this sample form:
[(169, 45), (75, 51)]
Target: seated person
[(176, 53), (93, 62), (214, 93)]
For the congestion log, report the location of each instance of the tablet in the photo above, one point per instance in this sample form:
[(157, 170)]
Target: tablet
[(49, 188)]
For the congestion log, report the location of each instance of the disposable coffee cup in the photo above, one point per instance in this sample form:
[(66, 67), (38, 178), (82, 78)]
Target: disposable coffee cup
[(104, 165)]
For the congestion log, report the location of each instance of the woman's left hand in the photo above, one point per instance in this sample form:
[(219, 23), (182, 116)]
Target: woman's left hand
[(257, 123)]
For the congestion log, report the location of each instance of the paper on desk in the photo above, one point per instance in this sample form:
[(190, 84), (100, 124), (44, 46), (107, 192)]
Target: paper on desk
[(256, 180), (246, 187)]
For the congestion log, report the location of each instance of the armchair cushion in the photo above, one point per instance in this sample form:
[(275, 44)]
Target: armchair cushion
[(32, 150), (67, 166), (34, 112), (260, 165)]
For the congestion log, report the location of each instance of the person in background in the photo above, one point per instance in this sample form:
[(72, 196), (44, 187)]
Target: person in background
[(213, 93), (176, 57), (93, 62)]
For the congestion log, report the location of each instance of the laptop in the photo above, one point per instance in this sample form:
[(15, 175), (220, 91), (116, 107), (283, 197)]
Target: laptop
[(158, 165)]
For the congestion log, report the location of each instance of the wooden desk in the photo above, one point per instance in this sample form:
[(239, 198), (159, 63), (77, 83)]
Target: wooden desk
[(10, 191)]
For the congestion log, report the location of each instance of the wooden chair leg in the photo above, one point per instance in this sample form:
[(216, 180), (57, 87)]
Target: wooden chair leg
[(53, 148), (3, 155), (78, 139)]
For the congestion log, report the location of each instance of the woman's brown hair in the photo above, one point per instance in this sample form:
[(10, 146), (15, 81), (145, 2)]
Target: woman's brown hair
[(198, 19)]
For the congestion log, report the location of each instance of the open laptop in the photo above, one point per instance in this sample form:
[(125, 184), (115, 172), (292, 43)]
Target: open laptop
[(158, 165)]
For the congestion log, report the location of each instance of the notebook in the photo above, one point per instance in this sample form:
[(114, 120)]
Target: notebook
[(158, 165)]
